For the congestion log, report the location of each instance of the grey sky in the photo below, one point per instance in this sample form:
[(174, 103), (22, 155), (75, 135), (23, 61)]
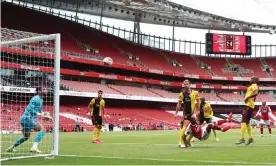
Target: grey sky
[(258, 11)]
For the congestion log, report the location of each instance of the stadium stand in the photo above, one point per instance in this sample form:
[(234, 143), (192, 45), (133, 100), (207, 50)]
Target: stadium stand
[(164, 93), (118, 49), (210, 97), (254, 66), (130, 90), (188, 63), (272, 63), (144, 55), (139, 91), (217, 65), (231, 96), (127, 90), (88, 87), (265, 97)]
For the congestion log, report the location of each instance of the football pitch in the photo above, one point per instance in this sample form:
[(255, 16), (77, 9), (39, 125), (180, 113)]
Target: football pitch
[(154, 148)]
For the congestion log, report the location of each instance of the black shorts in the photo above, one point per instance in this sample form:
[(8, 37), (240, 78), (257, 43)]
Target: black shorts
[(247, 114), (187, 116), (202, 119), (207, 120), (97, 120)]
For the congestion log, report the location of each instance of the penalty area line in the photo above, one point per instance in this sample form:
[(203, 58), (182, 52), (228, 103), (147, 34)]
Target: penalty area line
[(158, 159)]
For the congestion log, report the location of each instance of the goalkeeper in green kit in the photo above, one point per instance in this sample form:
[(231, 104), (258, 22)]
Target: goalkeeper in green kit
[(28, 121)]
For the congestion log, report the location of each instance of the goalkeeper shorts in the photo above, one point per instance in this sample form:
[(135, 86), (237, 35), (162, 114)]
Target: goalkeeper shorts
[(27, 124)]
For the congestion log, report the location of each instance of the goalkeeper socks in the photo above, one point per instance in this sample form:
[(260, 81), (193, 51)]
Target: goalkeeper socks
[(181, 135), (35, 145), (243, 129), (20, 141), (249, 130), (262, 130), (39, 136)]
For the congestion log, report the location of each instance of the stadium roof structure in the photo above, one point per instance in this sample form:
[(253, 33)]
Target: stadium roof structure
[(161, 12)]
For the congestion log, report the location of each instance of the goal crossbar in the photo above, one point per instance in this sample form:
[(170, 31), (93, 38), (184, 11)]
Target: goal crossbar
[(31, 39)]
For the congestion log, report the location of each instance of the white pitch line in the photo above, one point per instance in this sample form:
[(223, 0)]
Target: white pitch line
[(138, 135), (195, 144), (157, 159), (133, 135), (155, 134)]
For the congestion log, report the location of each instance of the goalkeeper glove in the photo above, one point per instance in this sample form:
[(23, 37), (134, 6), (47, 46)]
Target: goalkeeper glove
[(46, 115)]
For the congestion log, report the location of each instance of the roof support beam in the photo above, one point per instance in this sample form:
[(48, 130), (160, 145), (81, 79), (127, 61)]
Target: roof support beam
[(137, 30), (173, 41), (77, 9), (101, 17)]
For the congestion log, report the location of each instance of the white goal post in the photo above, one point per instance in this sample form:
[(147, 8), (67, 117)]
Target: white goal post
[(24, 68)]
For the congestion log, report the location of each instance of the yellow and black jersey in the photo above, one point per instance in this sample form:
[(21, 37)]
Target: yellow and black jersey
[(97, 106), (189, 100), (207, 110), (251, 101)]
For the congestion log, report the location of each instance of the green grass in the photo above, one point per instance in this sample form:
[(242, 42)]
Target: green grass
[(148, 148)]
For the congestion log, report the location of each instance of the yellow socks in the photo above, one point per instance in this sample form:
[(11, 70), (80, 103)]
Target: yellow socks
[(95, 133), (243, 129), (98, 133), (181, 135), (249, 130)]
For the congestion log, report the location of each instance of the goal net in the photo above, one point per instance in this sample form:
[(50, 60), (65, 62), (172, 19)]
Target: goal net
[(30, 73)]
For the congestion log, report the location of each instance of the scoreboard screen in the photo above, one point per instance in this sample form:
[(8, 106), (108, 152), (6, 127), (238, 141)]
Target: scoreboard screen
[(228, 44)]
